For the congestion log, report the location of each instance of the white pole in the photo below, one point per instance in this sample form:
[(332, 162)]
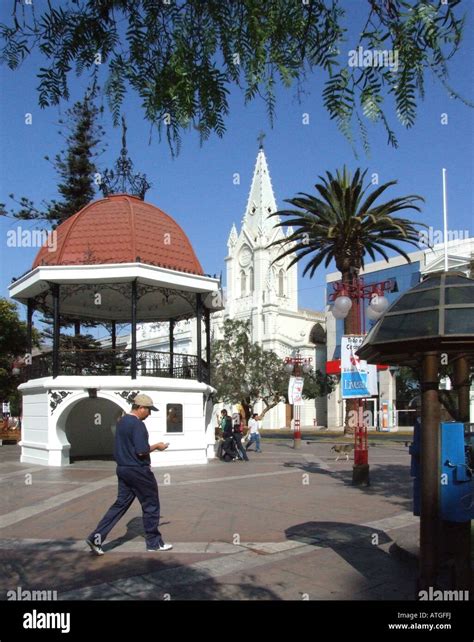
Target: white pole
[(445, 220)]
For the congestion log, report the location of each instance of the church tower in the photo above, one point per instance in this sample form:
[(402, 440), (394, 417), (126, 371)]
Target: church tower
[(257, 288)]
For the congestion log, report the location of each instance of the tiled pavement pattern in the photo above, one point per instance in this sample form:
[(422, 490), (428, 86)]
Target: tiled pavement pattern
[(287, 525)]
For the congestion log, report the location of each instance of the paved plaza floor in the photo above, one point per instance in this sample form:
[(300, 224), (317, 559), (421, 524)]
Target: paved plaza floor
[(285, 528), (288, 525)]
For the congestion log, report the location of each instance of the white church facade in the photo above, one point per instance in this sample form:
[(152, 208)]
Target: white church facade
[(261, 291)]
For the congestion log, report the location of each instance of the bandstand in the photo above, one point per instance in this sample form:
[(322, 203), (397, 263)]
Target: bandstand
[(118, 261)]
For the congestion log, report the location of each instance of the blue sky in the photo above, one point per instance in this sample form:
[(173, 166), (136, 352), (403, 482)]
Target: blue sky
[(197, 187)]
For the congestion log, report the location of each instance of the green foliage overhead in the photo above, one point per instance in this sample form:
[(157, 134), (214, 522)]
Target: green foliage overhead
[(243, 372), (182, 57)]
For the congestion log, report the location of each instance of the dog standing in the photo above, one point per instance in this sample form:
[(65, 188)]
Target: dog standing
[(342, 449)]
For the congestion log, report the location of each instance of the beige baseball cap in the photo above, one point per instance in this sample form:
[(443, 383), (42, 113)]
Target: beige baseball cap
[(144, 400)]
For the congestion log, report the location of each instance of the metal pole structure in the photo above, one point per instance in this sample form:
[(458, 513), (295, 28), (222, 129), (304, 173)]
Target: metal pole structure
[(207, 322), (56, 329), (445, 221), (297, 366), (171, 342), (29, 335), (297, 432), (113, 334), (459, 533), (134, 330), (360, 469), (199, 336), (429, 514)]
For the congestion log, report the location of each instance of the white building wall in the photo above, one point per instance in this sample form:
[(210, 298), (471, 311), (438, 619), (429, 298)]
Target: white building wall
[(276, 322), (72, 417)]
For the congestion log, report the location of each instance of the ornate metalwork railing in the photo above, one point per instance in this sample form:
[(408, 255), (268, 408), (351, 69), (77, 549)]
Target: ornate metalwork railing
[(107, 361)]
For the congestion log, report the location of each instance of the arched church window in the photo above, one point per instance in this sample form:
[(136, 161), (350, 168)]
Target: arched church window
[(317, 334), (243, 283), (281, 283), (251, 280)]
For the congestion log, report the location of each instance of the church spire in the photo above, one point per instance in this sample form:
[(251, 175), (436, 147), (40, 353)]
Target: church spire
[(261, 202)]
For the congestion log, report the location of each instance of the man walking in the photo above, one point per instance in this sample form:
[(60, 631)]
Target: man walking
[(254, 433), (135, 478)]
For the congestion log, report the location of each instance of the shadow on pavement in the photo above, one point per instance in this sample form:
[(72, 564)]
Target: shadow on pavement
[(391, 481), (145, 576), (360, 546)]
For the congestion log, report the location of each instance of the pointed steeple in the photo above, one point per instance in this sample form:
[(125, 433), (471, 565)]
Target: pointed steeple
[(261, 202), (233, 237)]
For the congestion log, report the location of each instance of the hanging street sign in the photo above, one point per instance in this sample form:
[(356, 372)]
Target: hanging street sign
[(295, 391), (358, 378)]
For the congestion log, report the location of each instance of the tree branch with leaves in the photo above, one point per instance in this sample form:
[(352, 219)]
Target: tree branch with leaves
[(245, 373), (183, 58)]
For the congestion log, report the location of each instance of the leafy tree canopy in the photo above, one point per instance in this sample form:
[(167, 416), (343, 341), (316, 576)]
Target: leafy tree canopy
[(13, 345), (182, 56), (75, 166), (243, 372)]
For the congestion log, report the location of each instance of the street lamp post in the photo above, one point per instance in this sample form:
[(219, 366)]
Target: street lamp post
[(297, 366), (342, 299)]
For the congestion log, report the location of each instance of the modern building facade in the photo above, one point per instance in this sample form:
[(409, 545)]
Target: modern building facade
[(405, 275)]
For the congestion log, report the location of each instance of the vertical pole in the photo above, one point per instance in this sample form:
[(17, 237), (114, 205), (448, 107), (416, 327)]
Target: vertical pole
[(445, 221), (113, 336), (429, 514), (198, 337), (460, 532), (171, 342), (360, 469), (29, 340), (134, 330), (297, 436), (56, 329), (207, 322)]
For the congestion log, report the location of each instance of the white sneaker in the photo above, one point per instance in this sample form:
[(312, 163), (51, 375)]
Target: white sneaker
[(95, 548), (162, 547)]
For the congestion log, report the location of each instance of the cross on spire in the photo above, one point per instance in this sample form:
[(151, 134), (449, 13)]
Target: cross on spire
[(260, 138)]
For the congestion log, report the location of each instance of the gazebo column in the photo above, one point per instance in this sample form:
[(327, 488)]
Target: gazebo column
[(430, 471), (134, 330), (29, 335), (55, 290), (459, 533), (171, 342), (29, 321), (207, 323), (113, 338), (198, 336)]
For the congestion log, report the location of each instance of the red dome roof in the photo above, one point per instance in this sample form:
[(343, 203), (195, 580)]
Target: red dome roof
[(121, 229)]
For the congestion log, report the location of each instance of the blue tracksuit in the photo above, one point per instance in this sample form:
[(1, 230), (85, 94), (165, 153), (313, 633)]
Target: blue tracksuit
[(135, 479)]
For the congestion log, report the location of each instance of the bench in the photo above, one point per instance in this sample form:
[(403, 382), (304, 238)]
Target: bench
[(10, 430)]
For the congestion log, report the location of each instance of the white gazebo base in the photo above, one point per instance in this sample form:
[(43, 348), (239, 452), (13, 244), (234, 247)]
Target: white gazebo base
[(74, 417)]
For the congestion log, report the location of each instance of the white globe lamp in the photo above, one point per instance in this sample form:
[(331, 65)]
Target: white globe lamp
[(372, 314), (379, 303), (343, 304)]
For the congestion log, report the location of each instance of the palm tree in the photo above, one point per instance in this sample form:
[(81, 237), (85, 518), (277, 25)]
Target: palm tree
[(344, 224)]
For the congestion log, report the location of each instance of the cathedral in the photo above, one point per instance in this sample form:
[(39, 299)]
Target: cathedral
[(264, 292)]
